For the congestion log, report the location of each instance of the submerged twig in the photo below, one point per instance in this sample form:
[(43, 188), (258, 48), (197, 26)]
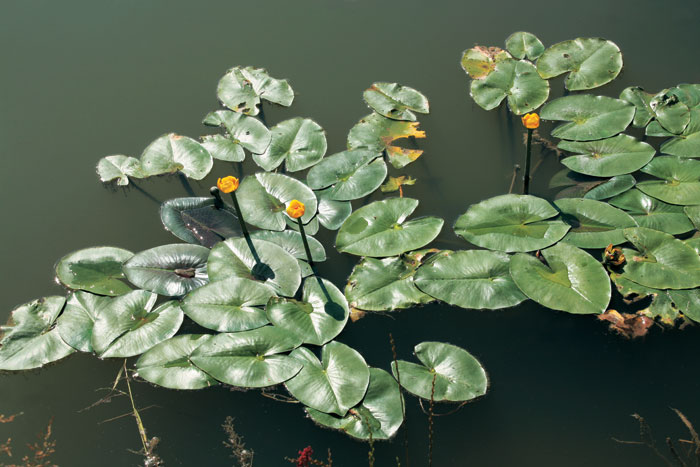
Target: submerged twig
[(430, 422), (403, 402), (235, 443)]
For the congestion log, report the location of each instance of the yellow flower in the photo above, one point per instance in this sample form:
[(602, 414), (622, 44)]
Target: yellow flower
[(227, 184), (295, 209), (531, 121), (614, 256)]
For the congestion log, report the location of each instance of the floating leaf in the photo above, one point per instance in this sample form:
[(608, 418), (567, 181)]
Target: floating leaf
[(672, 114), (310, 229), (379, 229), (470, 279), (694, 243), (249, 359), (524, 44), (479, 61), (97, 270), (511, 223), (395, 101), (687, 301), (168, 363), (589, 117), (352, 174), (242, 88), (619, 155), (170, 270), (30, 339), (248, 132), (174, 153), (662, 307), (199, 221), (395, 183), (681, 180), (687, 144), (335, 385), (693, 213), (292, 243), (300, 142), (377, 133), (515, 79), (594, 224), (223, 148), (457, 374), (229, 305), (611, 187), (332, 213), (119, 168), (78, 319), (592, 62), (569, 279), (641, 100), (651, 213), (689, 94)]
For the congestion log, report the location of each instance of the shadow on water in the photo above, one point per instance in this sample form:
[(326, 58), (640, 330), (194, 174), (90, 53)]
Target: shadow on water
[(186, 184), (144, 192)]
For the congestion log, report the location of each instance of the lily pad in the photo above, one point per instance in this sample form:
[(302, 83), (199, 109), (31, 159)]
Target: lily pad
[(310, 228), (119, 168), (457, 374), (229, 305), (395, 101), (619, 155), (241, 90), (292, 243), (687, 144), (672, 114), (170, 270), (688, 302), (349, 174), (320, 315), (641, 100), (222, 148), (651, 213), (97, 270), (470, 279), (249, 359), (30, 339), (592, 62), (168, 363), (569, 279), (268, 264), (78, 319), (335, 385), (680, 182), (299, 142), (511, 223), (332, 213), (377, 133), (479, 61), (694, 243), (611, 187), (693, 213), (199, 221), (589, 117), (248, 132), (515, 79), (524, 45), (174, 153), (380, 229), (594, 224)]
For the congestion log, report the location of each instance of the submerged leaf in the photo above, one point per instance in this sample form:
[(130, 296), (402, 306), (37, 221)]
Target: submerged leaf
[(199, 221), (97, 270)]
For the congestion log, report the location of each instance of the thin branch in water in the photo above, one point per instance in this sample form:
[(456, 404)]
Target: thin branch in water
[(403, 402), (235, 443), (516, 169), (675, 455), (430, 422), (646, 438)]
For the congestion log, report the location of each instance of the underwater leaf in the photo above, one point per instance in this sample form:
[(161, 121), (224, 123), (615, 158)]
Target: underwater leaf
[(268, 264), (30, 340), (515, 79), (292, 243), (589, 117), (511, 223), (687, 144), (479, 61), (119, 168), (474, 279), (229, 305), (524, 44), (299, 142), (457, 374), (349, 174), (241, 89), (335, 385), (651, 213), (168, 364), (170, 270), (619, 155), (680, 182), (249, 359), (199, 221), (248, 132), (379, 415), (380, 229), (97, 270), (395, 101), (611, 187), (174, 153), (222, 148), (320, 315), (332, 213), (672, 114), (592, 62), (569, 279), (594, 224), (78, 319), (377, 133)]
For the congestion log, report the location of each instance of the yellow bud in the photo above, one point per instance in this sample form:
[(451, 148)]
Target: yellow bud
[(531, 121), (295, 209), (227, 184)]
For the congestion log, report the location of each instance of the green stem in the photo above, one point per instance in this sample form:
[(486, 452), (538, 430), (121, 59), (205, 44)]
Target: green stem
[(240, 216), (526, 180), (216, 193), (306, 243)]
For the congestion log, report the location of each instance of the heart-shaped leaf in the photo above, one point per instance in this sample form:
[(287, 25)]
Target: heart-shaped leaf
[(594, 224), (641, 100), (299, 142), (223, 148), (119, 168), (174, 153), (687, 144), (524, 44), (688, 302), (479, 61), (352, 174), (515, 79), (377, 133), (248, 132), (621, 154), (589, 117), (680, 182), (241, 89), (672, 114), (292, 243), (611, 187), (199, 221), (97, 270), (395, 101), (592, 62), (651, 213), (78, 319), (332, 213)]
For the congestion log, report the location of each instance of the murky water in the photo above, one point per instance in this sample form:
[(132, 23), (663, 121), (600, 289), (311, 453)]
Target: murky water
[(81, 80)]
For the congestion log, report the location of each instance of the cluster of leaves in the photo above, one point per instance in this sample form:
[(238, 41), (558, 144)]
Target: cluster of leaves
[(601, 203)]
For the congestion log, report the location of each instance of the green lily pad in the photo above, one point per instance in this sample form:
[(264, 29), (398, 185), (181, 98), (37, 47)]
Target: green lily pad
[(170, 270), (332, 213), (379, 415), (663, 308), (310, 228), (688, 302), (335, 385), (299, 142), (168, 364), (479, 61), (660, 261), (611, 187), (511, 223), (592, 62), (127, 326), (619, 155), (320, 315), (516, 80), (248, 132), (229, 305), (594, 224), (249, 359), (651, 213), (199, 221), (687, 144), (292, 243), (379, 229), (689, 94), (474, 279), (571, 280), (263, 199), (222, 148), (395, 101), (119, 168), (78, 319), (672, 114), (241, 90), (174, 153), (377, 133), (693, 213), (641, 100), (524, 45), (269, 264), (30, 339), (694, 243), (457, 374), (589, 117), (352, 174), (680, 182), (97, 270)]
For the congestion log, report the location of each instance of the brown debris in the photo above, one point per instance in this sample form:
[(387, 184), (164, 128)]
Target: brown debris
[(628, 325)]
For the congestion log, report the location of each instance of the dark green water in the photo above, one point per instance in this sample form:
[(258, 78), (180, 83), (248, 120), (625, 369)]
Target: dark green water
[(81, 80)]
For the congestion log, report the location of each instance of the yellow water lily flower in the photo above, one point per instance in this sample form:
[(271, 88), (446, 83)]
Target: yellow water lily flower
[(227, 184), (531, 121), (295, 209)]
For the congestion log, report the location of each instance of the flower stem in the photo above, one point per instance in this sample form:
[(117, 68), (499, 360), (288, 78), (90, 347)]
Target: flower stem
[(216, 193), (306, 243), (526, 179), (240, 217)]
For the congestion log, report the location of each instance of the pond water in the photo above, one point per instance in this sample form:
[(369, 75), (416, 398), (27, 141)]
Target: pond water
[(82, 80)]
